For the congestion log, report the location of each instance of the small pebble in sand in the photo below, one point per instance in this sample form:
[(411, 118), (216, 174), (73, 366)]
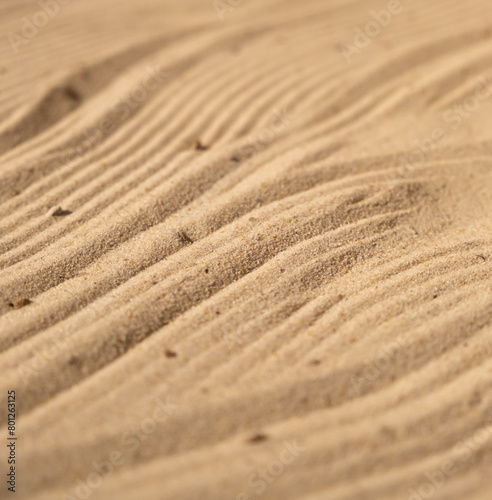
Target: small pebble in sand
[(19, 304), (198, 146), (72, 94), (184, 237), (258, 438), (74, 361), (170, 354), (60, 212)]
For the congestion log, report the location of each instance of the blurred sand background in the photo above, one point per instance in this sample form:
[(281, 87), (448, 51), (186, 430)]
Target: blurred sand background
[(245, 248)]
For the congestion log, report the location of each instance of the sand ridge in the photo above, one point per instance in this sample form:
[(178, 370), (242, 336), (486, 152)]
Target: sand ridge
[(245, 248)]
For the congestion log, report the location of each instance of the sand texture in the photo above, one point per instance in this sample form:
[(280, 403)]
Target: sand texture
[(245, 249)]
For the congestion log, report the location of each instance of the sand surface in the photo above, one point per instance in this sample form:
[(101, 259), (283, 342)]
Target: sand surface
[(245, 249)]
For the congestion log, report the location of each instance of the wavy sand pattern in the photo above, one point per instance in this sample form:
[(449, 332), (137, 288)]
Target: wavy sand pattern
[(245, 248)]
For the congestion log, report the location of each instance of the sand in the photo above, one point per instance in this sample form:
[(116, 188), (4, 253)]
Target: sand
[(246, 249)]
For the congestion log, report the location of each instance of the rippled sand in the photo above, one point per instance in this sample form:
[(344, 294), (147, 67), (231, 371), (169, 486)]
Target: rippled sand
[(245, 248)]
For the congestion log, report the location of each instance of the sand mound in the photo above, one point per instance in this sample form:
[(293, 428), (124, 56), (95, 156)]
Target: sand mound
[(245, 249)]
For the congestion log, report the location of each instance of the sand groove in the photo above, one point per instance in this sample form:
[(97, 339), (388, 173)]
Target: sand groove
[(271, 242)]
